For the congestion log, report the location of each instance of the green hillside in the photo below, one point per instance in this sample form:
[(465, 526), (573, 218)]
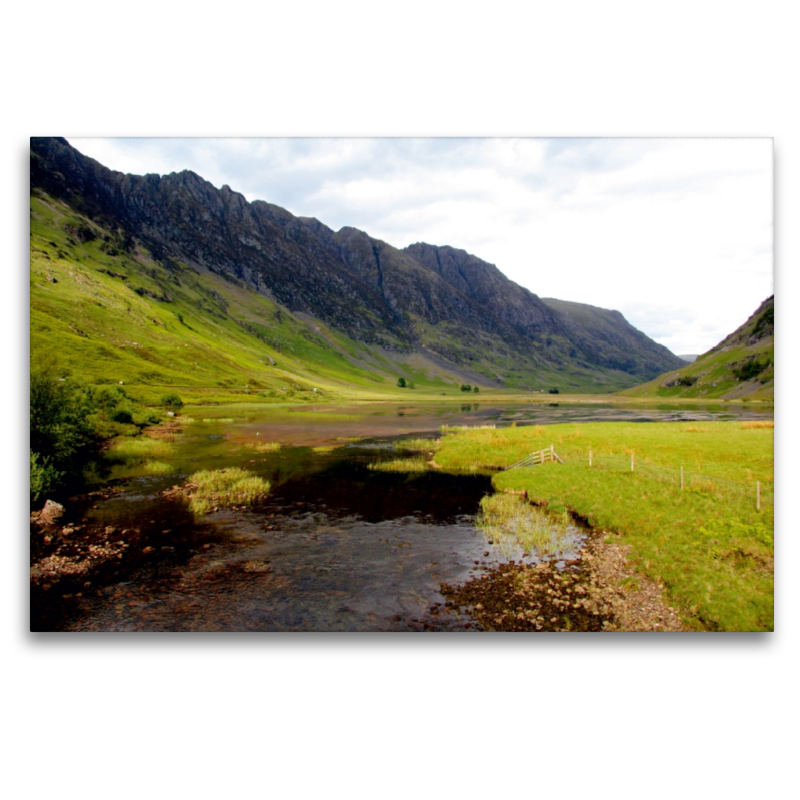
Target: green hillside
[(740, 366), (106, 312)]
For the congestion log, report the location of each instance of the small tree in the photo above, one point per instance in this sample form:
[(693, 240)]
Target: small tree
[(466, 387), (475, 389), (401, 382), (554, 391)]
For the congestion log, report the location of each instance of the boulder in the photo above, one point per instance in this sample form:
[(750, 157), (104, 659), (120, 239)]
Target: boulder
[(51, 512)]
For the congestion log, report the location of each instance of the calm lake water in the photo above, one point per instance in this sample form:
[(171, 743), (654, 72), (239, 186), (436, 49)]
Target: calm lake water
[(335, 546)]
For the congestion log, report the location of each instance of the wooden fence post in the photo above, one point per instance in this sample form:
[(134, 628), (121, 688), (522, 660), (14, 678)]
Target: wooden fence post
[(552, 457), (758, 495), (681, 478)]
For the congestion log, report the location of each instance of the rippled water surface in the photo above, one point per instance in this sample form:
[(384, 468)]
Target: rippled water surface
[(335, 546)]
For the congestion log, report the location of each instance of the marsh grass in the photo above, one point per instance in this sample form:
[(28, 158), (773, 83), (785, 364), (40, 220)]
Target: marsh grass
[(512, 523), (139, 450), (264, 447), (223, 488), (414, 445), (723, 581), (400, 465)]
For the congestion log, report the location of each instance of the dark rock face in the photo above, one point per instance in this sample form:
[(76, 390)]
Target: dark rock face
[(358, 285)]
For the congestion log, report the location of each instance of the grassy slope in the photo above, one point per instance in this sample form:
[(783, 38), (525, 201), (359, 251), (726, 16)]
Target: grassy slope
[(107, 314), (712, 374), (708, 544)]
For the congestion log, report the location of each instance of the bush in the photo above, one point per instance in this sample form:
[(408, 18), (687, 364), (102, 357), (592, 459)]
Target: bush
[(475, 389), (401, 382), (750, 369), (61, 436), (466, 387), (123, 416), (44, 477), (172, 401), (553, 391)]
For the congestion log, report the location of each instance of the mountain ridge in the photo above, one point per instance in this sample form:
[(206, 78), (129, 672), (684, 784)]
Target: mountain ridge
[(420, 299)]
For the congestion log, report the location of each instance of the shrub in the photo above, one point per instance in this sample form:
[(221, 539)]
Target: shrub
[(466, 387), (750, 369), (401, 382), (61, 436), (475, 389), (44, 477), (553, 391), (172, 401), (123, 416)]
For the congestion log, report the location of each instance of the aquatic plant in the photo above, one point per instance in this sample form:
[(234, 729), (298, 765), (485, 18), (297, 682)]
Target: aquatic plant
[(223, 488), (513, 523), (264, 447), (418, 444), (400, 465)]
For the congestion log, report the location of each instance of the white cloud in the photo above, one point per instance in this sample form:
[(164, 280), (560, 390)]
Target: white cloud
[(675, 233)]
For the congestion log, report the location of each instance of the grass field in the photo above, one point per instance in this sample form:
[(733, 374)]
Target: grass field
[(708, 544)]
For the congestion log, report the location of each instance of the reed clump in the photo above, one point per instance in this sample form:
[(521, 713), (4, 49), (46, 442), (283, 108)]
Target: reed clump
[(511, 522), (223, 488), (400, 465), (264, 447), (413, 445)]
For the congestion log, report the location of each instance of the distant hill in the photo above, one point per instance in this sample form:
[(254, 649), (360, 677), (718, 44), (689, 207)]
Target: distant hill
[(741, 365), (689, 356), (206, 269)]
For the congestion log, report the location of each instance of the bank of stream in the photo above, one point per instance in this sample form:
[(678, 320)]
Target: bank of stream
[(334, 546)]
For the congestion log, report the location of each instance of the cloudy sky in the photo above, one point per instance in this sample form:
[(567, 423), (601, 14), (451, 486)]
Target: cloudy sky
[(674, 233)]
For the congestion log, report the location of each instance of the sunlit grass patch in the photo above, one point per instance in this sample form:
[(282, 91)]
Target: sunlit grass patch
[(139, 450), (226, 420), (400, 465), (759, 423), (324, 448), (511, 522), (223, 488)]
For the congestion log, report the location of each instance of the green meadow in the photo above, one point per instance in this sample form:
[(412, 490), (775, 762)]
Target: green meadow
[(707, 543)]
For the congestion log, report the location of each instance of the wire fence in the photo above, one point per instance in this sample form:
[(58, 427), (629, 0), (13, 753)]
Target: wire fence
[(761, 492)]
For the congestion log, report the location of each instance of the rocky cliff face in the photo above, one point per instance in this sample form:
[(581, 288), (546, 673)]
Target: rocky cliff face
[(438, 299)]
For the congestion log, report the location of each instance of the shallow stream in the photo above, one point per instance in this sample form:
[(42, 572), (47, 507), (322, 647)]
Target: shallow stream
[(335, 546)]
